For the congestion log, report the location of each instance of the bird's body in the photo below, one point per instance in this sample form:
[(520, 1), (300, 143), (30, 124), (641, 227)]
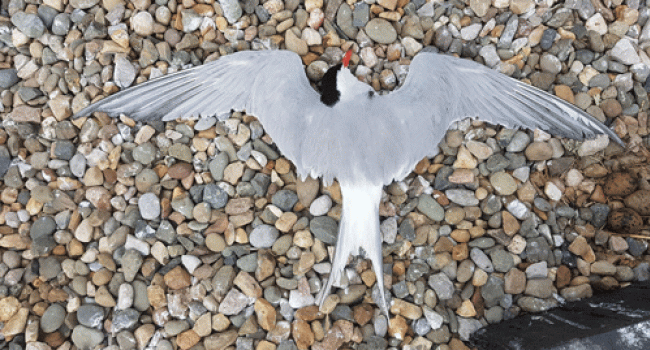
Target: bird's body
[(348, 132)]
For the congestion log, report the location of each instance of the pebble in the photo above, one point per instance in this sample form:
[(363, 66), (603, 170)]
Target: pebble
[(532, 304), (8, 78), (479, 150), (552, 191), (503, 183), (471, 32), (218, 185), (381, 31), (124, 73), (149, 206), (638, 202), (550, 64), (514, 282), (577, 292), (480, 7), (481, 260), (538, 151), (285, 199), (142, 23), (625, 52), (86, 338), (324, 228), (360, 15), (442, 285), (502, 260), (90, 315), (537, 270), (263, 236), (233, 303), (320, 206), (29, 24), (430, 207), (462, 197), (539, 288), (52, 318), (519, 142), (467, 326)]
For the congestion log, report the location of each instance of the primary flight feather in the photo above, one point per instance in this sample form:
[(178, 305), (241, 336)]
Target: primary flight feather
[(346, 131)]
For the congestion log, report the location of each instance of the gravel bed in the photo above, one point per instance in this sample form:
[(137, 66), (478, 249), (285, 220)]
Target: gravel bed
[(199, 235)]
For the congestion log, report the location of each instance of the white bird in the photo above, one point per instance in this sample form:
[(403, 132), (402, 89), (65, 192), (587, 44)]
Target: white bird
[(347, 131)]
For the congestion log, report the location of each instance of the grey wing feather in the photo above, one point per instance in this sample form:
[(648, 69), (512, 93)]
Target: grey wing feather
[(441, 89), (271, 85)]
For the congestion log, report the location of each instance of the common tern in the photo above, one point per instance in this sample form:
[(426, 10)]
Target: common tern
[(347, 131)]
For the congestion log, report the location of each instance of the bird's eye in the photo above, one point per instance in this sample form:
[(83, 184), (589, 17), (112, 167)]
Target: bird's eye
[(371, 94)]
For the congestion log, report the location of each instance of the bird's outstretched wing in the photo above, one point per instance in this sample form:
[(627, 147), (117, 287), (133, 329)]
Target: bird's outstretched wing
[(271, 85), (442, 89)]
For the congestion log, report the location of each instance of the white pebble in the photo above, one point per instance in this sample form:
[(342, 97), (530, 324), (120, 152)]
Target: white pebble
[(573, 178), (190, 262), (320, 206), (299, 300), (553, 193), (124, 296), (522, 173), (597, 23), (593, 146), (518, 209), (133, 243), (149, 205), (142, 23)]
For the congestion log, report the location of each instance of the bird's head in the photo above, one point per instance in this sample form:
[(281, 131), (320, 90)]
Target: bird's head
[(339, 84)]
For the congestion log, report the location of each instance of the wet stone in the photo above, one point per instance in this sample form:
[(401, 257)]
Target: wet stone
[(532, 304)]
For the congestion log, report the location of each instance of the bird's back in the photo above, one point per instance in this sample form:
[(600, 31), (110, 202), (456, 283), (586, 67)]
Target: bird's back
[(359, 139)]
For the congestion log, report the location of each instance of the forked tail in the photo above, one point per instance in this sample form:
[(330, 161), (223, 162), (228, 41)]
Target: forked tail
[(358, 229)]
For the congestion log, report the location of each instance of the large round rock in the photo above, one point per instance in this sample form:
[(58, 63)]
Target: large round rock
[(381, 31)]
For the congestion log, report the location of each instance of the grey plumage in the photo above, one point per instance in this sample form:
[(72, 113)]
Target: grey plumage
[(363, 142)]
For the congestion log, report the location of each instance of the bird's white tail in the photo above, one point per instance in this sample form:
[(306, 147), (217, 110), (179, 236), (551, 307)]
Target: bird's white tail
[(358, 229)]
